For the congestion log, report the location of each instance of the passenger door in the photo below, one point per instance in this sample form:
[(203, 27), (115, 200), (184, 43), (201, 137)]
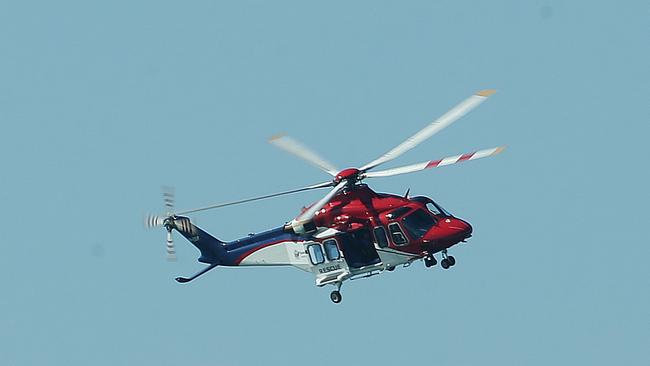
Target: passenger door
[(359, 249), (328, 264)]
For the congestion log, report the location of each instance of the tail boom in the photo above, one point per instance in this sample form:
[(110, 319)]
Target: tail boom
[(275, 247)]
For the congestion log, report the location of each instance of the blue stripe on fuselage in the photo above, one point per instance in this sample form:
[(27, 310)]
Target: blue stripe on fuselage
[(237, 248)]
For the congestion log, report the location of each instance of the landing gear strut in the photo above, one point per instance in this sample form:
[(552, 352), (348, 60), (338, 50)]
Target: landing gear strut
[(185, 279), (447, 260), (335, 295), (429, 261)]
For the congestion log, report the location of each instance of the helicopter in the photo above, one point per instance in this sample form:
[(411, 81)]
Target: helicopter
[(352, 232)]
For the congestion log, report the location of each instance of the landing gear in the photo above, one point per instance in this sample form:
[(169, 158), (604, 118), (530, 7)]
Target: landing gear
[(336, 297), (452, 260), (185, 279), (447, 260), (429, 261)]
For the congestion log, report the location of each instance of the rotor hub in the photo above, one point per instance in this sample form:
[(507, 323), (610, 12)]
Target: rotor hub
[(169, 223), (350, 174)]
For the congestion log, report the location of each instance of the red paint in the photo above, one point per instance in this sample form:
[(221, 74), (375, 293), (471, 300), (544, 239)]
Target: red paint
[(362, 207), (433, 164), (350, 173), (466, 157)]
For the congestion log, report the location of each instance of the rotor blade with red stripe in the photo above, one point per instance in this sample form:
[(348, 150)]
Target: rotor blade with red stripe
[(434, 127), (434, 163)]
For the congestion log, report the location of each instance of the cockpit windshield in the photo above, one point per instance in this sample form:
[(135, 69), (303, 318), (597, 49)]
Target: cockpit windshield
[(418, 223), (437, 209), (433, 207)]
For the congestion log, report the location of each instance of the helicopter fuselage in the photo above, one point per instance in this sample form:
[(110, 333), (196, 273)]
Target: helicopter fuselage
[(432, 231), (359, 232)]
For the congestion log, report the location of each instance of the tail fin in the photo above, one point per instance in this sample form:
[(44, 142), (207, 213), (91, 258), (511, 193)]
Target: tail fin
[(212, 249)]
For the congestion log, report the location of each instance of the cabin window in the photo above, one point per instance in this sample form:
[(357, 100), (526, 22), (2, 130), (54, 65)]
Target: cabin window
[(380, 236), (331, 250), (396, 234), (315, 254)]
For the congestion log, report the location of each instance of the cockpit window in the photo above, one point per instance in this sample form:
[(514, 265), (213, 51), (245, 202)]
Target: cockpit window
[(418, 223), (437, 209), (433, 209), (397, 213)]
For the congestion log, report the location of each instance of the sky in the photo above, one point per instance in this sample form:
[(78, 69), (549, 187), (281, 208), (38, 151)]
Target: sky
[(102, 103)]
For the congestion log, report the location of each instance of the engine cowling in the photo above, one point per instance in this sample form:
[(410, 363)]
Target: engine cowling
[(301, 227)]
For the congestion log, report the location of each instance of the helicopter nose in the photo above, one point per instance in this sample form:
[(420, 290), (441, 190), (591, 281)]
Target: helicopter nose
[(462, 227)]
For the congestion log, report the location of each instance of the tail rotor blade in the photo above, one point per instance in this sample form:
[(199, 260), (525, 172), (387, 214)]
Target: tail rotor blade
[(153, 221), (168, 197), (171, 251)]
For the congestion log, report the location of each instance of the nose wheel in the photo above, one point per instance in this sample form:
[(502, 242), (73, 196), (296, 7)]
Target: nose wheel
[(448, 262)]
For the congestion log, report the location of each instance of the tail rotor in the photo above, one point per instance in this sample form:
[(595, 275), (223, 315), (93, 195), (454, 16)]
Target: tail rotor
[(166, 221)]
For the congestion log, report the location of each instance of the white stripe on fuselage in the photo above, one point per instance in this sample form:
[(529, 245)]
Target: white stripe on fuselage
[(286, 253), (291, 253), (393, 258)]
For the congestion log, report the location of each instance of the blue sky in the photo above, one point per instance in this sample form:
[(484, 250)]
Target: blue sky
[(102, 103)]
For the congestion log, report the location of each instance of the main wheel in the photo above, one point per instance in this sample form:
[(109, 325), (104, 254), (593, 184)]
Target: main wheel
[(445, 263), (336, 297), (451, 260)]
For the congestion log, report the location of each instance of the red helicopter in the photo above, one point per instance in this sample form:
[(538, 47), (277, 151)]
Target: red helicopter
[(352, 232)]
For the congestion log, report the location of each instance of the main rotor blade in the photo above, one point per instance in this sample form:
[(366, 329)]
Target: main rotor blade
[(292, 146), (311, 212), (445, 120), (315, 186), (435, 163)]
